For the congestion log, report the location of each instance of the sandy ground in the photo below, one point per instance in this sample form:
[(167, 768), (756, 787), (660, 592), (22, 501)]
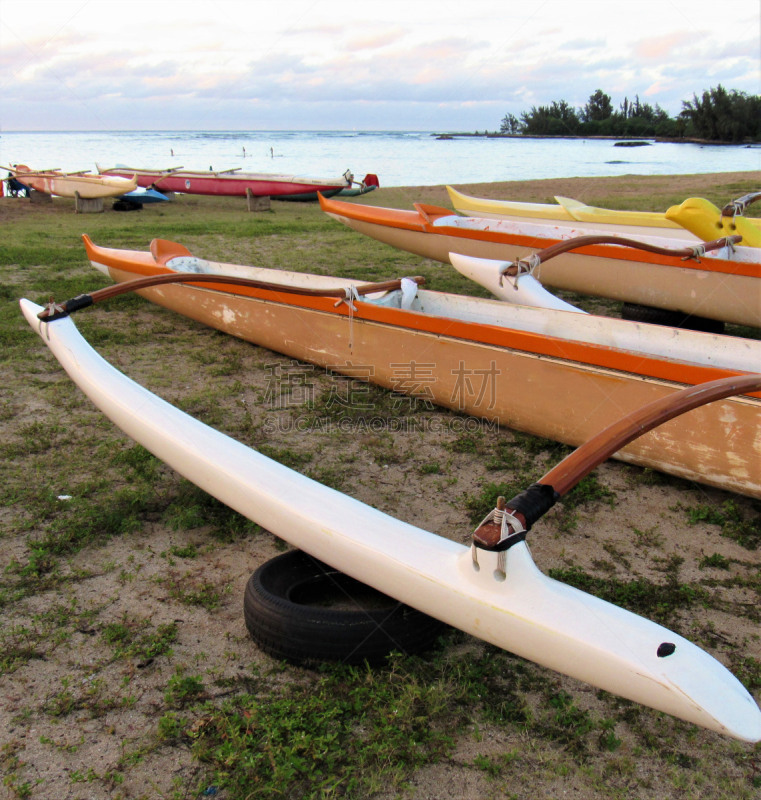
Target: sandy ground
[(77, 722)]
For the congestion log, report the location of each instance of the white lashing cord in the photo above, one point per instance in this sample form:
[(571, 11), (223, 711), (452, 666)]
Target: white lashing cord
[(699, 250), (509, 525), (525, 266), (351, 296)]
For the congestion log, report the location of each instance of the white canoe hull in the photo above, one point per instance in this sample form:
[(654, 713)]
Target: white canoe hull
[(520, 609)]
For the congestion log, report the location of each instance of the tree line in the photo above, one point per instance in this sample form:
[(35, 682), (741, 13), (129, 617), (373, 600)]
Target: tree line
[(718, 115)]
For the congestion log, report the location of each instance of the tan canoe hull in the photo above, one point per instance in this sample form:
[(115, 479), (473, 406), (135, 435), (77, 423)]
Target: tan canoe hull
[(717, 295), (88, 187), (718, 445)]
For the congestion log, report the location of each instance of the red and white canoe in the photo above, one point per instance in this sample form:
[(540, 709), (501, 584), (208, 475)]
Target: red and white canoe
[(233, 182)]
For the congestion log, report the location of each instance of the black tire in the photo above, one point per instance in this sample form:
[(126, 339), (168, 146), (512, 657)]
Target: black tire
[(300, 610), (126, 205), (675, 319)]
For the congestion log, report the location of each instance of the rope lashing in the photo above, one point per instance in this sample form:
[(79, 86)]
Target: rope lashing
[(349, 298), (511, 531), (351, 294), (498, 531), (737, 207), (514, 269), (733, 209), (54, 309), (698, 250)]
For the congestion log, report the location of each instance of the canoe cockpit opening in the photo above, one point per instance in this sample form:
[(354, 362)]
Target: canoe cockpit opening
[(189, 263), (452, 221), (404, 297)]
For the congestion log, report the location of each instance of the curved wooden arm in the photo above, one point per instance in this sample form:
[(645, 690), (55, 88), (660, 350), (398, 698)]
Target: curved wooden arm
[(57, 310), (738, 206), (517, 267), (534, 502), (584, 459)]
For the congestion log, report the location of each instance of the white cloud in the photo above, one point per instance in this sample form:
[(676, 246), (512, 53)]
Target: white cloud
[(79, 64)]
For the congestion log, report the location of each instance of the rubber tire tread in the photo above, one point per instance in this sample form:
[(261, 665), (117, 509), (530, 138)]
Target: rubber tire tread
[(303, 633), (675, 319)]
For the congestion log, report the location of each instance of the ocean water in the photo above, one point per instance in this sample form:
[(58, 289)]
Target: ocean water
[(397, 158)]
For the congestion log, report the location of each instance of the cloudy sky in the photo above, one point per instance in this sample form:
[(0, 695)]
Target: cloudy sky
[(364, 64)]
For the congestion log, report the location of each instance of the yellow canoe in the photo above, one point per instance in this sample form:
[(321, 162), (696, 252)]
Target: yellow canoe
[(694, 219), (707, 222)]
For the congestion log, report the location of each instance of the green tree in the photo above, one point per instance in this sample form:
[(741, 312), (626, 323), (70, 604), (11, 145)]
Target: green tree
[(641, 119), (510, 124), (598, 108), (719, 115), (557, 119)]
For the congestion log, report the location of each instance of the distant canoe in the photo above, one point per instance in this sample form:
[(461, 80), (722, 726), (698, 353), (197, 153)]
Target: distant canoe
[(70, 184), (141, 196), (356, 192), (567, 212), (233, 182), (368, 184), (695, 219)]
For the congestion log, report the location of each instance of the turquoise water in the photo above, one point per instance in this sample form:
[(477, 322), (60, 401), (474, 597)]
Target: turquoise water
[(398, 158)]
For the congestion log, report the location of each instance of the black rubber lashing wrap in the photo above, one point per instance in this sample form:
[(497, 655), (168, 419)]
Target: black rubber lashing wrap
[(80, 301), (534, 502)]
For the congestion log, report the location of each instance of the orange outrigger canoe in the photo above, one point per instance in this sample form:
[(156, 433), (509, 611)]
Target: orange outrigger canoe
[(723, 285), (556, 374)]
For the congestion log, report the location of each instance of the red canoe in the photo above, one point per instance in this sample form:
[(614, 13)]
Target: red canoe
[(232, 182)]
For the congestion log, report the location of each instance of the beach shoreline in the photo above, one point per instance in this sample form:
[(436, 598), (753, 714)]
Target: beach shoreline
[(611, 138)]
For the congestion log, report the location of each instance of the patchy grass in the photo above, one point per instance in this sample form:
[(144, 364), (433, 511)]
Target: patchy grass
[(734, 522), (126, 669)]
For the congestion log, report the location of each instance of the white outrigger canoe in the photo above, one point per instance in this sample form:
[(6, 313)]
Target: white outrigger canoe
[(498, 595)]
